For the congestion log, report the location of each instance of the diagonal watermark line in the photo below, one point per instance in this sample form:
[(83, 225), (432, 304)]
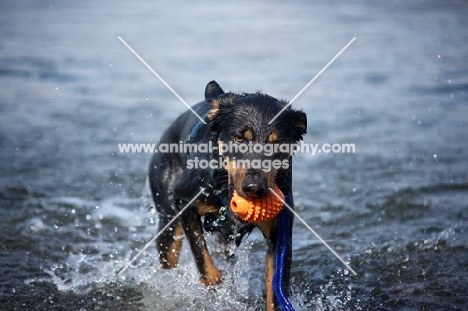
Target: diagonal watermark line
[(159, 233), (313, 231), (161, 79), (313, 79)]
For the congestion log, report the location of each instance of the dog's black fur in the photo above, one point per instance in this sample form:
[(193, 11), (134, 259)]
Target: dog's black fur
[(230, 117)]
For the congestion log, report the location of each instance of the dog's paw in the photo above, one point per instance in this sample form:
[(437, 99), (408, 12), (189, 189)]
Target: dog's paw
[(214, 277)]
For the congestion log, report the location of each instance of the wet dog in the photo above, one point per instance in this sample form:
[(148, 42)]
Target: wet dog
[(234, 123)]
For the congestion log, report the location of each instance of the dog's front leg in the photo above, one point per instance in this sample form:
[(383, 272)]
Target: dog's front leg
[(270, 231), (209, 274)]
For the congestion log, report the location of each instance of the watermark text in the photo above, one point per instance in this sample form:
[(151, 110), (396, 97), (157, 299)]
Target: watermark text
[(267, 149)]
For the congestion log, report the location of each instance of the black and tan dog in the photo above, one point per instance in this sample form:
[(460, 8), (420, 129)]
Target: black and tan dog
[(175, 178)]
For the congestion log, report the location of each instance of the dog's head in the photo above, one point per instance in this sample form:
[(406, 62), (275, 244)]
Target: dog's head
[(253, 150)]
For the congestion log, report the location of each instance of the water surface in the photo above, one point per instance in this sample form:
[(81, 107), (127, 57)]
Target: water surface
[(74, 210)]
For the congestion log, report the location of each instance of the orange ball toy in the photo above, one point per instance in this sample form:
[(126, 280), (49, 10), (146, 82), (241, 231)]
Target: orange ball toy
[(254, 210)]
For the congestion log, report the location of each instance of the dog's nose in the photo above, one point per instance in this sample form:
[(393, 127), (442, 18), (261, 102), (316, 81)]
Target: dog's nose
[(254, 189)]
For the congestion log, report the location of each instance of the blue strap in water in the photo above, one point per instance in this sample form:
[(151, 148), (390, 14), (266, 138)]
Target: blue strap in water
[(284, 225)]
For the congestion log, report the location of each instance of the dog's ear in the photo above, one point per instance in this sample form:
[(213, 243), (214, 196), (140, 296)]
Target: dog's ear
[(213, 90), (300, 125), (300, 121)]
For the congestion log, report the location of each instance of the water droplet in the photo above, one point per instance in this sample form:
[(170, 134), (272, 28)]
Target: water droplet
[(111, 65)]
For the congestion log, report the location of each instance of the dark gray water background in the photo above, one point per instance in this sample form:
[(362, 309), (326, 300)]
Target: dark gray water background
[(73, 210)]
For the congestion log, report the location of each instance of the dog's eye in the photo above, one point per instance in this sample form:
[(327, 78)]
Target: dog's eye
[(238, 138)]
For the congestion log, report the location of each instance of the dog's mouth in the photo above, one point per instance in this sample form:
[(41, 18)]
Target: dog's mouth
[(250, 198), (257, 209)]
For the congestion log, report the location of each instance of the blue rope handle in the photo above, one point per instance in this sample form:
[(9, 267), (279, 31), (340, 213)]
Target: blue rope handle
[(284, 225)]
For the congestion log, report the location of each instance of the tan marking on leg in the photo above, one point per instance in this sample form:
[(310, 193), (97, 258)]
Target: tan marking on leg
[(171, 258), (269, 272), (212, 275), (203, 209), (267, 227)]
